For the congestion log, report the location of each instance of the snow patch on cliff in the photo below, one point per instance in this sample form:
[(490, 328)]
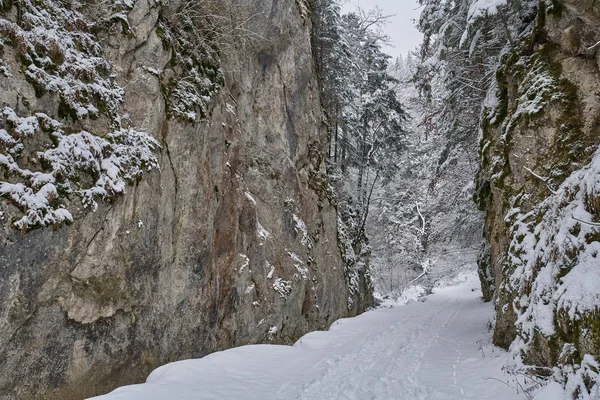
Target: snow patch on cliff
[(555, 254)]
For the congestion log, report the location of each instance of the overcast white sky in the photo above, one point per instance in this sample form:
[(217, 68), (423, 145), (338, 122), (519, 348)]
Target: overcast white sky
[(401, 29)]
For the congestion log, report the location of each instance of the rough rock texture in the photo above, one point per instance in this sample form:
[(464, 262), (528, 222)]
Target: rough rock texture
[(233, 241), (543, 128)]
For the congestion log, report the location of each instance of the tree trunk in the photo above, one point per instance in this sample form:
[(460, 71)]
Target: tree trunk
[(337, 118), (343, 145)]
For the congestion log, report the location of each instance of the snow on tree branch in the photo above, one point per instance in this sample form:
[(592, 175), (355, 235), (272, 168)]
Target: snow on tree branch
[(46, 161), (65, 168)]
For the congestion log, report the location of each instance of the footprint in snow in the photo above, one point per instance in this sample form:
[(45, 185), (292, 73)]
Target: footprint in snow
[(346, 394)]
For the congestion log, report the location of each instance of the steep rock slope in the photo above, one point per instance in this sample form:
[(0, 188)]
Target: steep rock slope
[(207, 233), (538, 185)]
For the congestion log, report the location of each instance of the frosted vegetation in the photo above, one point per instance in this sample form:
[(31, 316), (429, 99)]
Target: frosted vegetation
[(554, 258), (47, 161), (366, 121), (111, 162), (424, 217), (196, 59)]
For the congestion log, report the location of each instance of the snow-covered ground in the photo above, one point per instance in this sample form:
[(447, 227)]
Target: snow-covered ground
[(436, 349)]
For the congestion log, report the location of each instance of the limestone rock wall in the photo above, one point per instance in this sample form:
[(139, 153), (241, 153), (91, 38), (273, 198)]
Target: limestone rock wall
[(233, 241), (541, 125)]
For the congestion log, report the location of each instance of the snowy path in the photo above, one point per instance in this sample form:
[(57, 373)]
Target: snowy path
[(437, 349)]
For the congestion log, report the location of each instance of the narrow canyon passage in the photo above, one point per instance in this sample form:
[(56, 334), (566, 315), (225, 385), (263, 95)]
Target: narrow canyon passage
[(179, 177), (436, 349)]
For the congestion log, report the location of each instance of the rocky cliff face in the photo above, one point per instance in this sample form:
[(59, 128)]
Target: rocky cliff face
[(214, 225), (539, 191)]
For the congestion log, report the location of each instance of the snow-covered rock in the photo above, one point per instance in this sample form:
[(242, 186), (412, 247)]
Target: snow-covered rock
[(539, 187), (98, 299)]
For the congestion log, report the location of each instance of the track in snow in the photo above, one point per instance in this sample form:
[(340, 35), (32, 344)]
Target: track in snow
[(437, 349)]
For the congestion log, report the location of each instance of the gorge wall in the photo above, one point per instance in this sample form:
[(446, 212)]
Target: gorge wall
[(157, 201), (539, 187)]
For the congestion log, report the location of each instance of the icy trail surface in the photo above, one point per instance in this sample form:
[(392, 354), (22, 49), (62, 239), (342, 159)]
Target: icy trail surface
[(437, 349)]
